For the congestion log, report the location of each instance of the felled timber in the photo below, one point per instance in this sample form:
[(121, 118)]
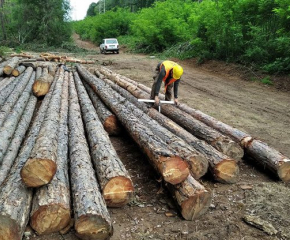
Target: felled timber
[(18, 137), (18, 70), (10, 124), (4, 82), (92, 219), (109, 120), (12, 98), (198, 164), (8, 88), (192, 198), (222, 143), (12, 63), (21, 55), (51, 210), (42, 84), (115, 182), (51, 69), (38, 72), (15, 197), (166, 161), (223, 168), (268, 157), (41, 166)]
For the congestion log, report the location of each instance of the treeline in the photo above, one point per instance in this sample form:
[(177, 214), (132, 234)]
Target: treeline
[(253, 32), (41, 22)]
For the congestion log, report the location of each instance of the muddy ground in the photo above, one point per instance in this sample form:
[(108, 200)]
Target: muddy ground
[(226, 92)]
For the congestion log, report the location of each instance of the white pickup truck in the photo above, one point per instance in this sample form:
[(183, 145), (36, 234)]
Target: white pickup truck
[(109, 45)]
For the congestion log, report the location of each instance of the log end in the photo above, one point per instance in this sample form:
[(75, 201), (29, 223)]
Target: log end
[(93, 227), (226, 171), (8, 229), (112, 125), (118, 191), (173, 169), (50, 219), (230, 148), (15, 73), (195, 206), (7, 70), (40, 88), (284, 170), (38, 172), (198, 166)]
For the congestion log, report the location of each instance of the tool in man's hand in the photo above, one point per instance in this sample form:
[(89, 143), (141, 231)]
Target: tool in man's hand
[(153, 101)]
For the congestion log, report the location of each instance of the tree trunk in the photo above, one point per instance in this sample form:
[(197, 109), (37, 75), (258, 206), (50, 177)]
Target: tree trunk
[(38, 72), (115, 182), (12, 98), (18, 137), (269, 157), (41, 166), (109, 120), (51, 210), (11, 122), (42, 84), (18, 70), (198, 164), (192, 198), (215, 158), (92, 219), (8, 68), (167, 162), (5, 81), (15, 197), (222, 143), (6, 91)]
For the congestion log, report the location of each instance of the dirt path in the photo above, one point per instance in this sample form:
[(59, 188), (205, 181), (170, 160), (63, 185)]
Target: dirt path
[(260, 110)]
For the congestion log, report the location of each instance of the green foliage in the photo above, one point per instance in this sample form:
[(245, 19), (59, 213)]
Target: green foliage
[(267, 81), (3, 51)]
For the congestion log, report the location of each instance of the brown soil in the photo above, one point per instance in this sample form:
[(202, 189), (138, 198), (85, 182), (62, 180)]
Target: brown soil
[(224, 92)]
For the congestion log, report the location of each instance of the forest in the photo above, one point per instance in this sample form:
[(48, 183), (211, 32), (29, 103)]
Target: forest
[(251, 32)]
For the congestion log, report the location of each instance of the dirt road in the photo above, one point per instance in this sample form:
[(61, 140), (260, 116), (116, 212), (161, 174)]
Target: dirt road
[(220, 91)]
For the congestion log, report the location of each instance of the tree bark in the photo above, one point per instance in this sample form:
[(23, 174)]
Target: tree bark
[(167, 162), (92, 219), (12, 98), (115, 182), (109, 120), (5, 81), (192, 198), (15, 197), (18, 70), (198, 164), (8, 68), (11, 122), (222, 143), (215, 158), (41, 166), (42, 84), (17, 139), (51, 210), (7, 90)]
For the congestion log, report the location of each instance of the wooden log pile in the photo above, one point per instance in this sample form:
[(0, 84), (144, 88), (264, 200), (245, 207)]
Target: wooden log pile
[(57, 162)]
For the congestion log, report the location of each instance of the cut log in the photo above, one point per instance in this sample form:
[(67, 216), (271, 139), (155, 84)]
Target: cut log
[(38, 72), (18, 137), (18, 70), (92, 219), (41, 167), (192, 198), (222, 143), (12, 98), (50, 210), (115, 182), (51, 69), (108, 119), (5, 81), (22, 55), (7, 90), (167, 162), (12, 63), (15, 197), (198, 164), (42, 84), (215, 158), (11, 122), (268, 157)]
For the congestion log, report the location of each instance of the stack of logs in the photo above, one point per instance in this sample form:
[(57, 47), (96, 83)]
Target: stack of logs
[(54, 130)]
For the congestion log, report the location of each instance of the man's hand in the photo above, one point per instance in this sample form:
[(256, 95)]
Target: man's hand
[(156, 100), (176, 101)]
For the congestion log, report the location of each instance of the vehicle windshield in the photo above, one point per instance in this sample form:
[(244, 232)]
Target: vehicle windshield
[(111, 41)]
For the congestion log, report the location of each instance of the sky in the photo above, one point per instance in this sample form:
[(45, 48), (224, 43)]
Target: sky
[(79, 8)]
